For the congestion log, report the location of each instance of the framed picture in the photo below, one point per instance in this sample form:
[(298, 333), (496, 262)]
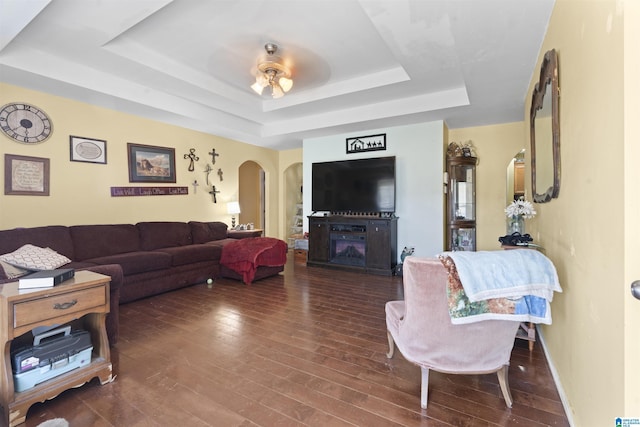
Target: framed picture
[(361, 144), (148, 163), (87, 150), (26, 176)]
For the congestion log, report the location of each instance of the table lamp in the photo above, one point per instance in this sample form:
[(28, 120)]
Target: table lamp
[(233, 208)]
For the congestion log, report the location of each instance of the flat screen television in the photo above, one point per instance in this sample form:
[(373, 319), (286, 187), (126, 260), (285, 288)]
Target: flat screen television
[(354, 186)]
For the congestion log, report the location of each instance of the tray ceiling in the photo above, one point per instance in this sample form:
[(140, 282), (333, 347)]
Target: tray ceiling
[(356, 64)]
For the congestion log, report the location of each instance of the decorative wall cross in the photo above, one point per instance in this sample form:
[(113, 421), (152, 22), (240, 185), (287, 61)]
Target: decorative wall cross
[(213, 193), (195, 186), (192, 156), (208, 170), (213, 155), (220, 174)]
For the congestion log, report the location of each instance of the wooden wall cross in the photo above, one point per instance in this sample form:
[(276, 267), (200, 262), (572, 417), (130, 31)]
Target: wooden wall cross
[(192, 156), (207, 171), (213, 155), (220, 174), (213, 193)]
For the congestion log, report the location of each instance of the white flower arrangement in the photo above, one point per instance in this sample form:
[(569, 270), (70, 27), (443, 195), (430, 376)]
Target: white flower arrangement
[(520, 207)]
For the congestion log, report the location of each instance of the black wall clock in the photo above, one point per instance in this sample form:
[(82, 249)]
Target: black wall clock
[(25, 123)]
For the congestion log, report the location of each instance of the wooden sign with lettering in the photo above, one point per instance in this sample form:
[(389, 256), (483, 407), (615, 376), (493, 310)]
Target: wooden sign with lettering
[(148, 191)]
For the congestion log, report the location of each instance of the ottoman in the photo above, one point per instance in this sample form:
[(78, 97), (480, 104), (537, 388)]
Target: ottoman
[(253, 258)]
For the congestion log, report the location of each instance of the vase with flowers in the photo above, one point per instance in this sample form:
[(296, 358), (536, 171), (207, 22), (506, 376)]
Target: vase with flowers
[(517, 212)]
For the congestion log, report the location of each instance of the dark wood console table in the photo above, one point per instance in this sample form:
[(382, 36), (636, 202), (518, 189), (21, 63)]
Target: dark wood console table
[(367, 244), (84, 299)]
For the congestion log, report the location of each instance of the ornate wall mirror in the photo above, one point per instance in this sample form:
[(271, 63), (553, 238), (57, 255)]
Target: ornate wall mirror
[(545, 132)]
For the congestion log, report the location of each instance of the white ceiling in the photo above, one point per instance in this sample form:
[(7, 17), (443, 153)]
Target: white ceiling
[(357, 64)]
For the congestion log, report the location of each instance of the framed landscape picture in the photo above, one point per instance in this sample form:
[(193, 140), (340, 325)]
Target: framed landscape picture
[(148, 163)]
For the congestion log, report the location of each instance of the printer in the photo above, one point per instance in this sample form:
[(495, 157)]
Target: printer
[(54, 352)]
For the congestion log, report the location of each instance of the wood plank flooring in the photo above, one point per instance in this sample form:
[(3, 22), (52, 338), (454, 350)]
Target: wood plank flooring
[(305, 348)]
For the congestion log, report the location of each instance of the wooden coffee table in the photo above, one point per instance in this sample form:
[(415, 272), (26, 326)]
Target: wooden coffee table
[(85, 298)]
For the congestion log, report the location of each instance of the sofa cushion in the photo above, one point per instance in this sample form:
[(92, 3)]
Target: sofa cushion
[(203, 232), (56, 237), (34, 257), (189, 254), (94, 241), (136, 262), (166, 234)]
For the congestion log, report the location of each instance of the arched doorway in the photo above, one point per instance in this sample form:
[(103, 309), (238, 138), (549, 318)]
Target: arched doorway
[(251, 194), (293, 203)]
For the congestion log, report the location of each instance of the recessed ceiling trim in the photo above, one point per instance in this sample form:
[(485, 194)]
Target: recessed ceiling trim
[(159, 63), (418, 104), (15, 16), (345, 87), (190, 63), (90, 80)]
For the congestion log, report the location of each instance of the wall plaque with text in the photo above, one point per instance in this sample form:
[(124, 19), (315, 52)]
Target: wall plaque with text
[(148, 191)]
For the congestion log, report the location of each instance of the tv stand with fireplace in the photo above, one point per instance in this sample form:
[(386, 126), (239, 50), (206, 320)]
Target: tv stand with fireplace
[(359, 243)]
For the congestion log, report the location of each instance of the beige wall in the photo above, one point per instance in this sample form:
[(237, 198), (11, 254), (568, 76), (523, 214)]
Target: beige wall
[(593, 343), (632, 206), (583, 230), (495, 147), (80, 192)]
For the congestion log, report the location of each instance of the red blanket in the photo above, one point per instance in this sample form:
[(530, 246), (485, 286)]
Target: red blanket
[(246, 255)]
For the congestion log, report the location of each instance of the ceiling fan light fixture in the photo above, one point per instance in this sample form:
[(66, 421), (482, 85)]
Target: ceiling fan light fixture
[(272, 71), (276, 91), (261, 82), (285, 83)]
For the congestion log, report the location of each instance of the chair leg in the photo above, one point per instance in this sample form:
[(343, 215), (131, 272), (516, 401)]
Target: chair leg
[(503, 379), (424, 388), (391, 345)]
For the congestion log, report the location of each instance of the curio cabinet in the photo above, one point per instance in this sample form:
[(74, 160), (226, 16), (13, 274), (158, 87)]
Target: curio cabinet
[(461, 203)]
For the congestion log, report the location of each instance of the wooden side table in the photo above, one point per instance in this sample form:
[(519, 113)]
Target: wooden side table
[(84, 298), (527, 330)]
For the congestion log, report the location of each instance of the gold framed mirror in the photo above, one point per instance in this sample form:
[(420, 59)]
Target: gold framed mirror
[(545, 132)]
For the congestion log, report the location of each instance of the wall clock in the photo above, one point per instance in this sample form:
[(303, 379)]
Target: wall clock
[(25, 123)]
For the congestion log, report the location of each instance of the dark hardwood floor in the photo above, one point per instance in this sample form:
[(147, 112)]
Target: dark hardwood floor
[(303, 348)]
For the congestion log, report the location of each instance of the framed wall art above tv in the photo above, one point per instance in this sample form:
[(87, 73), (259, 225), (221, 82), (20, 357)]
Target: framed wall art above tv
[(149, 163)]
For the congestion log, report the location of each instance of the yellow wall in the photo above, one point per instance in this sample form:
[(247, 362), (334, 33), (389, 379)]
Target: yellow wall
[(632, 205), (495, 147), (80, 192), (583, 230)]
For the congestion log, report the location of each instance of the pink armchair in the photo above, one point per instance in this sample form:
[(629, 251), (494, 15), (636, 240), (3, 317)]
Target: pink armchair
[(421, 328)]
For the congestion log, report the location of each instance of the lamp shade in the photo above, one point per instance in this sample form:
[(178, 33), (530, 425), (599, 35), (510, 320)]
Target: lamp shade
[(233, 208)]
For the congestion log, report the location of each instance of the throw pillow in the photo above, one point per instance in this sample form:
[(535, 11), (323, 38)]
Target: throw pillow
[(8, 271), (35, 258)]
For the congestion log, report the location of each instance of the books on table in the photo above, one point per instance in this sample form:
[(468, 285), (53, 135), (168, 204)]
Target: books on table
[(45, 278)]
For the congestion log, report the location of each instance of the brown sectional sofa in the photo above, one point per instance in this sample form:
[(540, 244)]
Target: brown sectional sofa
[(144, 259)]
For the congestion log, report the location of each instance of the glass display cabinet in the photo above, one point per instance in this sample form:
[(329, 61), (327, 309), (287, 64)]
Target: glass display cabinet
[(461, 203)]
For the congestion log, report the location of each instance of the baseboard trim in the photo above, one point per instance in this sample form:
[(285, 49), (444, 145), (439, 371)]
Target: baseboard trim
[(556, 378)]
